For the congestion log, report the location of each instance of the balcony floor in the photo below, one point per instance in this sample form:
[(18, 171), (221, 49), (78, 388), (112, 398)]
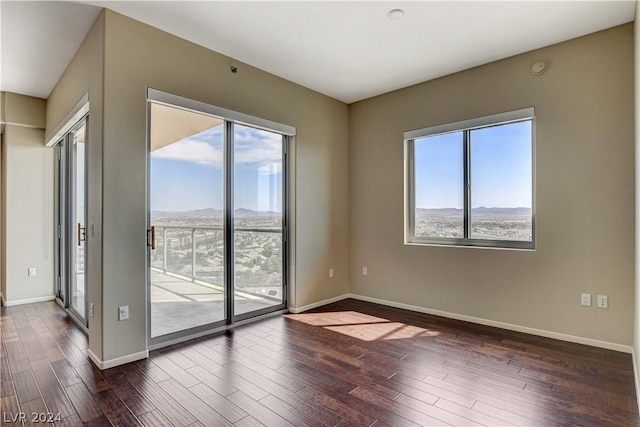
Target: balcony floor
[(178, 304)]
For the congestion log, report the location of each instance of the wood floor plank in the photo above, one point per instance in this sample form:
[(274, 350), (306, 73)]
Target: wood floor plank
[(65, 373), (92, 378), (396, 408), (257, 410), (347, 373), (19, 365), (311, 376), (469, 413), (508, 416), (15, 352), (52, 391), (276, 377), (36, 413), (74, 355), (72, 421), (220, 357), (212, 381), (353, 417), (101, 421), (435, 412), (155, 419), (434, 390), (288, 412), (6, 388), (50, 347), (174, 370), (178, 358), (33, 349), (226, 408), (83, 402), (196, 407), (117, 413), (26, 387), (263, 356), (11, 414), (169, 407), (131, 397), (248, 421)]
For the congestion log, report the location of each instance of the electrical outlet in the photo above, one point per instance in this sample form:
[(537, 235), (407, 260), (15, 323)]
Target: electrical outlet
[(603, 301), (364, 271), (31, 271), (331, 272), (586, 300), (90, 309), (123, 312)]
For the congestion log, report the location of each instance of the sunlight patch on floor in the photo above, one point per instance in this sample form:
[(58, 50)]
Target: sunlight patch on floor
[(362, 326)]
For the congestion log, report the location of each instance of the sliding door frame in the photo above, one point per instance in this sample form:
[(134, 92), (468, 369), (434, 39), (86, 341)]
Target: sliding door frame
[(230, 118), (65, 221), (60, 213)]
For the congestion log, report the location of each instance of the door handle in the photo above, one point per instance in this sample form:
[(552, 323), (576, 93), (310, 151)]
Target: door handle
[(153, 238), (82, 234)]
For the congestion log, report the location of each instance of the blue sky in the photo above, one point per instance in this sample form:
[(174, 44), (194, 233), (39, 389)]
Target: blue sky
[(500, 168), (188, 174)]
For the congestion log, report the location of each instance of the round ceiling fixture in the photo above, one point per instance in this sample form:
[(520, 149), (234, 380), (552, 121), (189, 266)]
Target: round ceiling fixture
[(538, 68), (395, 14)]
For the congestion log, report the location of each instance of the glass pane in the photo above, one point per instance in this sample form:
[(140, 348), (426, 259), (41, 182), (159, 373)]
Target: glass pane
[(501, 182), (439, 178), (187, 201), (258, 184), (78, 230)]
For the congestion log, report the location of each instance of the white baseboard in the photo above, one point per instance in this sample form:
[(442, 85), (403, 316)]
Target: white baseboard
[(102, 365), (540, 332), (318, 304), (635, 376), (26, 301)]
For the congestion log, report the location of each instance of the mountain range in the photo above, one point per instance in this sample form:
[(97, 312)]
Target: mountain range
[(510, 212), (212, 213)]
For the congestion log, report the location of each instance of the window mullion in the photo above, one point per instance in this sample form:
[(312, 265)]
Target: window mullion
[(467, 183), (229, 219)]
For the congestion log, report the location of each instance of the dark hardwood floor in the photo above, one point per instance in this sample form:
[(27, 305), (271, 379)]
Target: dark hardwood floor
[(350, 363)]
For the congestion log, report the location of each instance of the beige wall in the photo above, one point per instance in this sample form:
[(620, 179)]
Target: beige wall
[(1, 107), (25, 111), (27, 228), (84, 74), (585, 193), (138, 56)]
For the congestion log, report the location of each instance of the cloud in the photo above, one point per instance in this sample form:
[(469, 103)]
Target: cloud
[(258, 148), (253, 148), (191, 150)]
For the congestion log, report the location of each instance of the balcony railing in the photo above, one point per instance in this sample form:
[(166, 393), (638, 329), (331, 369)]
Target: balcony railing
[(197, 253)]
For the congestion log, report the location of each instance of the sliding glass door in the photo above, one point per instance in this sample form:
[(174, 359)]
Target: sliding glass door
[(258, 221), (187, 173), (217, 220), (70, 248), (77, 218)]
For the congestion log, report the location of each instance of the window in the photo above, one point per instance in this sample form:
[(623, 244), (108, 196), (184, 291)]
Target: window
[(471, 183)]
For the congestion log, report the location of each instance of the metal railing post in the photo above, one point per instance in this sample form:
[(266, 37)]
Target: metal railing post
[(164, 250), (193, 254)]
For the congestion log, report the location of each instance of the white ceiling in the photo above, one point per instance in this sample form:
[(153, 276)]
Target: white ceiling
[(349, 50)]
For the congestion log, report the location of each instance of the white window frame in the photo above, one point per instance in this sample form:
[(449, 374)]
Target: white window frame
[(466, 126)]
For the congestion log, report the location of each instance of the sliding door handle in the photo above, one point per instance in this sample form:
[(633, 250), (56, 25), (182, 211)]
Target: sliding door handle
[(152, 239), (82, 234)]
